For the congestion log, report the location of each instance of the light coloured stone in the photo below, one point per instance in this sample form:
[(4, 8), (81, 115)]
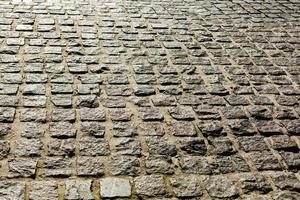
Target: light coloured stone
[(78, 189), (43, 190), (115, 187), (11, 190)]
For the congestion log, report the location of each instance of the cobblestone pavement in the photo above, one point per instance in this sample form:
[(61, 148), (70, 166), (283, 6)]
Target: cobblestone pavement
[(161, 99)]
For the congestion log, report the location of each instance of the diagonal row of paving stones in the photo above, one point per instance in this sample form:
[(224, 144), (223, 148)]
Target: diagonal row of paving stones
[(167, 99)]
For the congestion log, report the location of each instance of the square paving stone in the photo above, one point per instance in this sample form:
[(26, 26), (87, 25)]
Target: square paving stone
[(78, 189), (43, 190), (115, 187), (12, 190)]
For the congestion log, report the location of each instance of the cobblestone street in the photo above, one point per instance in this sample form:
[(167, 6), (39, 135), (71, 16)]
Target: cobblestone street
[(149, 99)]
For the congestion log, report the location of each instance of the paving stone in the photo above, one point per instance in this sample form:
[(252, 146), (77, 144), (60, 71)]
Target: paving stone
[(12, 190), (95, 129), (92, 114), (21, 167), (220, 187), (32, 130), (57, 167), (182, 113), (115, 187), (78, 189), (90, 146), (292, 159), (254, 182), (162, 92), (186, 186), (33, 115), (124, 165), (194, 146), (159, 146), (119, 114), (222, 146), (61, 147), (151, 185), (28, 147), (151, 114), (89, 166), (159, 164), (177, 128), (211, 128), (283, 142), (195, 165), (286, 181), (124, 129), (44, 190), (127, 146), (7, 114), (286, 195), (152, 129), (62, 130), (264, 160), (4, 149), (253, 143), (63, 115)]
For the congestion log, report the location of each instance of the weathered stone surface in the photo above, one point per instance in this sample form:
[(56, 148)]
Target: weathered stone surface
[(12, 190), (62, 130), (124, 165), (43, 190), (32, 130), (152, 186), (182, 129), (159, 146), (61, 147), (7, 114), (92, 114), (78, 189), (186, 186), (254, 182), (194, 146), (21, 167), (4, 149), (195, 165), (220, 187), (57, 167), (92, 129), (90, 146), (167, 92), (286, 181), (265, 160), (28, 147), (89, 166), (151, 114), (159, 164), (127, 146), (115, 187), (124, 129)]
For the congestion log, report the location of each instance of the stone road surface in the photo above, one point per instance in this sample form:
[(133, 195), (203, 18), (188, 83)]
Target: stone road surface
[(159, 99)]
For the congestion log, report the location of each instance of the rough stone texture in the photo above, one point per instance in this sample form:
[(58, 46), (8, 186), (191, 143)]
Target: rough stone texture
[(12, 190), (190, 99), (43, 190), (115, 187), (78, 189), (186, 186), (220, 187), (152, 185)]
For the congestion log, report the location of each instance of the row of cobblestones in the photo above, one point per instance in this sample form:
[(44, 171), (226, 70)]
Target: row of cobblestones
[(149, 99)]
